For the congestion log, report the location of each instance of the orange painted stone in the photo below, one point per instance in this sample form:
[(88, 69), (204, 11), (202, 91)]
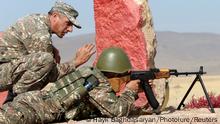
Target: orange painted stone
[(3, 96), (120, 23)]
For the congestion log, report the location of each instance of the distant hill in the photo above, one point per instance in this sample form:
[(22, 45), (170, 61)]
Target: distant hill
[(69, 45), (187, 51), (183, 51)]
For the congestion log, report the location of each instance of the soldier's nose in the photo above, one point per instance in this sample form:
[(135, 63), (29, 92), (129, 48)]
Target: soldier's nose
[(70, 28)]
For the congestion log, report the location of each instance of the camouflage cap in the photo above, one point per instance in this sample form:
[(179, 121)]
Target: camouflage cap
[(68, 11)]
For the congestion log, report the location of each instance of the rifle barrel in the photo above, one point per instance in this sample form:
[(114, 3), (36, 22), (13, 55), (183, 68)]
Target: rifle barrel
[(176, 73), (187, 73)]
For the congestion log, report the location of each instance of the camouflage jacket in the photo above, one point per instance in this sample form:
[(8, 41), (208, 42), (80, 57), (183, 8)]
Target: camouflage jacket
[(30, 34), (101, 101), (67, 96)]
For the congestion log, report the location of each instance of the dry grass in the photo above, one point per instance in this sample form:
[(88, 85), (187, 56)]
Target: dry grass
[(180, 85)]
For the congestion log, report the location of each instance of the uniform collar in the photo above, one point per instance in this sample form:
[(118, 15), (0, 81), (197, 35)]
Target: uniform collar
[(48, 23)]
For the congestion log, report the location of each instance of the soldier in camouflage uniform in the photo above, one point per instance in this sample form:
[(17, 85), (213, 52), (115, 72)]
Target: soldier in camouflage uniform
[(26, 52), (84, 93)]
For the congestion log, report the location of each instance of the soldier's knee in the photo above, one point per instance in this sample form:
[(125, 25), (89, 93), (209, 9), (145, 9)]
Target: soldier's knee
[(19, 112)]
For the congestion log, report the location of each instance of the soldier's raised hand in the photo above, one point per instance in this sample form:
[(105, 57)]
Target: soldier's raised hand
[(83, 54)]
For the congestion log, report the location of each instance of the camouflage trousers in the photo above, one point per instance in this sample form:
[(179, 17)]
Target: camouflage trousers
[(27, 73), (30, 108)]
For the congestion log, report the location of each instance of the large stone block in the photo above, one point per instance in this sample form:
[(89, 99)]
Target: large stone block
[(126, 24), (119, 23)]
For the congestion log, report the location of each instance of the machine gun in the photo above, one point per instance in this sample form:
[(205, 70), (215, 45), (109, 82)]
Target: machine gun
[(145, 76)]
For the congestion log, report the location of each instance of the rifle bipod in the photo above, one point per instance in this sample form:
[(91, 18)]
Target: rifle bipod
[(198, 78)]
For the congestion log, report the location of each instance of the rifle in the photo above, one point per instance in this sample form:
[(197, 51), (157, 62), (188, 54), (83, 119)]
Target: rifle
[(155, 73)]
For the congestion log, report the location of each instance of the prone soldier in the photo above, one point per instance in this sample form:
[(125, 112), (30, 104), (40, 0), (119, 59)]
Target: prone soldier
[(82, 94)]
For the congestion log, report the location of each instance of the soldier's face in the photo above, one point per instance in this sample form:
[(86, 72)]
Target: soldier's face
[(117, 80), (62, 25)]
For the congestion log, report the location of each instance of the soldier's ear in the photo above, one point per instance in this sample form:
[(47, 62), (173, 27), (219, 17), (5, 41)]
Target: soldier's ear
[(55, 14)]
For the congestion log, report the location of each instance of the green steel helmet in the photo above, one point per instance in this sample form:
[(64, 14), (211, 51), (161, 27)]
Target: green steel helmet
[(113, 60)]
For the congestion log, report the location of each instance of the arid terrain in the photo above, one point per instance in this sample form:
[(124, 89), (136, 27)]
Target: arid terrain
[(179, 86), (181, 51)]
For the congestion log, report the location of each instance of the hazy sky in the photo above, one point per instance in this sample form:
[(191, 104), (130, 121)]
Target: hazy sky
[(168, 15), (186, 15)]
